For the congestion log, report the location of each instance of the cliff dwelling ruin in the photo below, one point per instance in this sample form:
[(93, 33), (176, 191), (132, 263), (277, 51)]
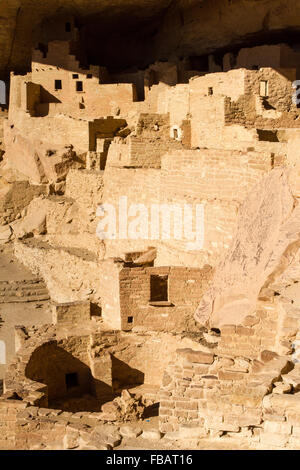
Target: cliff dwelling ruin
[(150, 224)]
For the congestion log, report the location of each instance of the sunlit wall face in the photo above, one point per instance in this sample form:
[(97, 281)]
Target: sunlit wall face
[(2, 352)]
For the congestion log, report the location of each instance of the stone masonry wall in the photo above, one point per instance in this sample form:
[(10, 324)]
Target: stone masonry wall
[(219, 179), (185, 287), (71, 314), (212, 395)]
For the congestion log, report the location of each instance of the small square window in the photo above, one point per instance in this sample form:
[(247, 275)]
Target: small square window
[(58, 85), (130, 320), (72, 380), (79, 86), (75, 75), (89, 75)]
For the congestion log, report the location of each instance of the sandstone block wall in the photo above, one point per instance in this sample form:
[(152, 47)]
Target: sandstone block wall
[(218, 179), (276, 56), (110, 292), (71, 314), (217, 394), (208, 119), (204, 394), (140, 186), (281, 421), (176, 101), (271, 110), (115, 360), (9, 411), (192, 389), (85, 187), (93, 98), (240, 340), (185, 286), (225, 175), (279, 86), (140, 152), (231, 84), (136, 356)]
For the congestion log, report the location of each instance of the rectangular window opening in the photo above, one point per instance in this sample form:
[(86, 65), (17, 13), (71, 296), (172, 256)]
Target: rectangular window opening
[(210, 91), (58, 85), (130, 320), (264, 88), (75, 75), (79, 86), (89, 75), (72, 380), (159, 288), (267, 135)]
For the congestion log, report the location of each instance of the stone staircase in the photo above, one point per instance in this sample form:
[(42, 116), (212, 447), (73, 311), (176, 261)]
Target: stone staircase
[(31, 290)]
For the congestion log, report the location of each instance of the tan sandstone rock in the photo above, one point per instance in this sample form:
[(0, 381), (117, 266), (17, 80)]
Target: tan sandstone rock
[(268, 226)]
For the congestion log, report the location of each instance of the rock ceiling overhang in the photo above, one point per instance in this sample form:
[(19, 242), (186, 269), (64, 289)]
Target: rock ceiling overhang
[(19, 20), (180, 27)]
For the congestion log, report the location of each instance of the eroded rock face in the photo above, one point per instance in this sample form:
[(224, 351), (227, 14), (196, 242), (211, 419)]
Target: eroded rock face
[(268, 231), (34, 223), (14, 197), (37, 161)]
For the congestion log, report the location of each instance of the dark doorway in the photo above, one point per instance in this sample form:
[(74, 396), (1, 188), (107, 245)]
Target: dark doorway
[(72, 380)]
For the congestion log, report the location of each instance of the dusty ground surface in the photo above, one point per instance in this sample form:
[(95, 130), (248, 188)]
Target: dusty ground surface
[(21, 313), (10, 268)]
